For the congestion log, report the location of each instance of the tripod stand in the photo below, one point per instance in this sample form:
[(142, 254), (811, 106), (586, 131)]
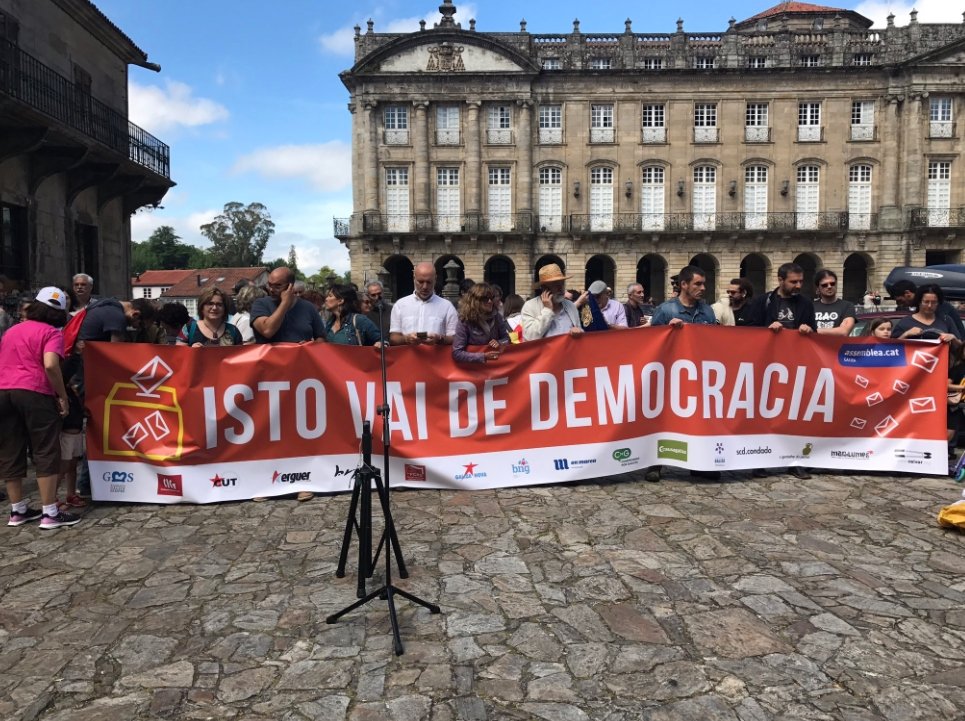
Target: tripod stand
[(361, 497)]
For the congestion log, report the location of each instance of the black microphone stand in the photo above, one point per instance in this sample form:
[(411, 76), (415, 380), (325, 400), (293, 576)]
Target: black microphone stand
[(367, 474)]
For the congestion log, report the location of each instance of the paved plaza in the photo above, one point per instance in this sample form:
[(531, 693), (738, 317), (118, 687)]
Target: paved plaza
[(741, 600)]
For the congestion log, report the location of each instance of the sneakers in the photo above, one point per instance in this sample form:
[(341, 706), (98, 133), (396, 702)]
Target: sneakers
[(18, 519), (75, 501), (61, 519), (305, 496)]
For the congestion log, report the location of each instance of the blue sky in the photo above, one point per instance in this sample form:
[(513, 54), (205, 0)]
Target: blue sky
[(250, 101)]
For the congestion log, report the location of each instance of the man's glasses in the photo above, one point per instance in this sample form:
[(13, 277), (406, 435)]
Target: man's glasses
[(828, 285), (733, 292)]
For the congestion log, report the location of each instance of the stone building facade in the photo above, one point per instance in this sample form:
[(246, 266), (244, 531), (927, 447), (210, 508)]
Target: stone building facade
[(800, 134), (73, 168)]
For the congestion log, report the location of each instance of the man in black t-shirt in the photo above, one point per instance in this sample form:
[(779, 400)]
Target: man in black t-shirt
[(283, 317), (833, 315)]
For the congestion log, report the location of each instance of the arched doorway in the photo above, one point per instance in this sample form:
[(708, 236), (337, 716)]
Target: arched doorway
[(708, 264), (400, 276), (546, 260), (810, 264), (652, 275), (754, 269), (856, 278), (501, 271), (600, 267), (440, 265)]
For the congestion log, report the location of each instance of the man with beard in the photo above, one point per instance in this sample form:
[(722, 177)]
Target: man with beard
[(833, 315), (735, 309), (637, 309), (423, 318), (550, 313), (83, 286), (283, 317)]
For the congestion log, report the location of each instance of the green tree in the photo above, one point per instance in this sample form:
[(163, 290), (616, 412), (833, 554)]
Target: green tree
[(142, 258), (239, 235), (163, 250), (293, 260), (320, 279)]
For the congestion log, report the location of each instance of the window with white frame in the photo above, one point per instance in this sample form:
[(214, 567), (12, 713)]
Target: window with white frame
[(808, 122), (652, 198), (705, 123), (653, 63), (704, 201), (601, 199), (550, 124), (552, 64), (601, 63), (940, 117), (447, 125), (863, 120), (939, 192), (498, 125), (395, 119), (755, 197), (551, 199), (448, 200), (654, 120), (756, 129), (807, 196), (147, 292), (500, 199), (810, 61), (861, 59), (601, 123), (397, 199), (704, 62), (859, 197), (757, 62)]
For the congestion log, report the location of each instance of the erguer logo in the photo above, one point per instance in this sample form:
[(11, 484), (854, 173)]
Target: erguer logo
[(676, 450), (621, 454)]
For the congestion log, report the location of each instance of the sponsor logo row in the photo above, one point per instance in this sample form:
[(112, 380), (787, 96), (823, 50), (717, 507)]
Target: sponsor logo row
[(169, 484)]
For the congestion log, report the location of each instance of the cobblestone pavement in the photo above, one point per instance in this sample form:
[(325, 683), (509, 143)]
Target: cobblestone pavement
[(833, 598)]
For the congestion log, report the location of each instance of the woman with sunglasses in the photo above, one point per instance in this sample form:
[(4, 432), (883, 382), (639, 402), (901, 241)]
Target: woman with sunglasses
[(479, 325), (212, 327)]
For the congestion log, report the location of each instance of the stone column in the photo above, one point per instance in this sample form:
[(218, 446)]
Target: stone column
[(890, 129), (473, 159), (911, 194), (371, 155), (420, 144), (524, 143)]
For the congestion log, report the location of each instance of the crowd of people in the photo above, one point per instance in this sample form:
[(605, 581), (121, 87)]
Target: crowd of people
[(42, 383)]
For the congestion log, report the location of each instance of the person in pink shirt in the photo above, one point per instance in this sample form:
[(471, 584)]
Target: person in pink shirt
[(33, 401)]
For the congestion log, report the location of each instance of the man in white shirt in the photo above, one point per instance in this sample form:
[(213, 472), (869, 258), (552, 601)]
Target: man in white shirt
[(550, 313), (423, 318)]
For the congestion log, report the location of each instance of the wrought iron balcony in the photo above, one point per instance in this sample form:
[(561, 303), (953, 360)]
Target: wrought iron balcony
[(427, 223), (28, 80), (687, 222), (937, 218), (342, 227)]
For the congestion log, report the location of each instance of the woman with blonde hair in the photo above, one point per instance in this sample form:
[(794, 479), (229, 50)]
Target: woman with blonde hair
[(212, 327), (480, 325)]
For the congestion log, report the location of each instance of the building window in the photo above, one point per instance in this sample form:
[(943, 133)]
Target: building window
[(550, 124), (863, 120), (86, 252), (705, 123), (652, 198), (859, 197), (704, 204), (13, 244), (810, 61), (653, 63), (448, 200), (601, 63), (704, 62), (654, 118), (395, 118), (9, 28), (601, 199), (447, 125), (500, 199), (498, 126), (806, 197), (601, 123), (940, 118), (939, 192), (755, 197), (397, 200), (147, 292), (756, 129), (552, 64), (551, 199), (809, 122), (861, 59), (757, 62)]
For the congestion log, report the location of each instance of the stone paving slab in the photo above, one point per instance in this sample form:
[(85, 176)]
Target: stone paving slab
[(741, 600)]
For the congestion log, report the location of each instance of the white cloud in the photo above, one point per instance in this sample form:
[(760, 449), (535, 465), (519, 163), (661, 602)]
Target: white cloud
[(160, 109), (187, 227), (929, 11), (342, 41), (325, 166)]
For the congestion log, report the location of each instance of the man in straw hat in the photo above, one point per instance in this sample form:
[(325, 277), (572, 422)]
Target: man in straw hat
[(550, 313)]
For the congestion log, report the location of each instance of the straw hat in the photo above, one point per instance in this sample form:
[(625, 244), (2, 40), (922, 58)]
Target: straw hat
[(551, 273)]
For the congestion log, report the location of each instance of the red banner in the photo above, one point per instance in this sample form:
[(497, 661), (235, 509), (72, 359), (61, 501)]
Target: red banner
[(177, 423)]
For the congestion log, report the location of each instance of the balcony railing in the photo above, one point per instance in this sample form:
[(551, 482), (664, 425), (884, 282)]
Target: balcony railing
[(28, 80), (938, 218), (685, 222), (446, 223)]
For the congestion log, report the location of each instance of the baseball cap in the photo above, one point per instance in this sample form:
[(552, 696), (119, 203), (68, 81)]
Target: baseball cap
[(53, 297), (597, 287)]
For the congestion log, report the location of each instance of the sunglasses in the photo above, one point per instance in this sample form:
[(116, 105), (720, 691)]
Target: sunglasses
[(828, 285)]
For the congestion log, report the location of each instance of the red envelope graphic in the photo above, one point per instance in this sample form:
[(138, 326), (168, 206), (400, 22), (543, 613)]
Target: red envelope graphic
[(883, 428), (926, 361), (922, 405), (901, 387), (858, 423), (861, 381), (875, 398)]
